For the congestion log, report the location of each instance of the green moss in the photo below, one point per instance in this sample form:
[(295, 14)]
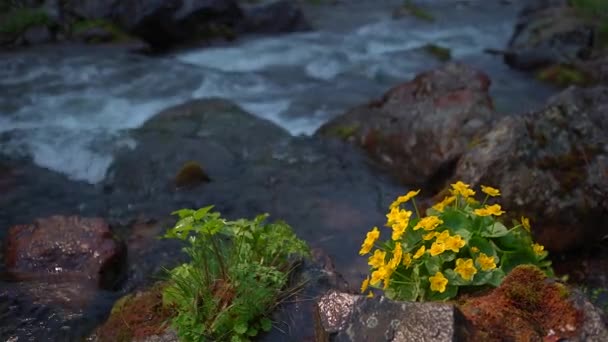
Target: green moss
[(595, 13), (417, 12), (344, 131), (191, 174), (565, 75), (443, 54), (18, 20), (118, 35)]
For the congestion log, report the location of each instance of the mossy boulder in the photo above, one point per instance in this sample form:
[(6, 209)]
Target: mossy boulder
[(136, 317), (528, 306), (565, 75), (550, 165)]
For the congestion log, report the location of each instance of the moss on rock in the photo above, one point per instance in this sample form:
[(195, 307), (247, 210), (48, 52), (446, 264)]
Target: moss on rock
[(526, 307), (18, 20), (137, 316), (190, 175)]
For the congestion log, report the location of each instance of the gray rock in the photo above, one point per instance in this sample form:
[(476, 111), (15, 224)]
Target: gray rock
[(420, 128), (346, 317), (549, 32), (550, 165), (274, 17), (37, 35)]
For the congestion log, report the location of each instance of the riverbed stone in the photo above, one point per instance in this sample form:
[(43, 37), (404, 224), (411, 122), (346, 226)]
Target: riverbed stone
[(550, 32), (551, 165), (66, 248), (419, 129), (347, 317)]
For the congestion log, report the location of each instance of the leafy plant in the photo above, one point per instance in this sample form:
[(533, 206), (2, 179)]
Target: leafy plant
[(459, 244), (238, 274), (18, 20)]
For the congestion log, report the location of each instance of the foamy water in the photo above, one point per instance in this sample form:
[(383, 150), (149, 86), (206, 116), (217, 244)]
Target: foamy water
[(68, 108)]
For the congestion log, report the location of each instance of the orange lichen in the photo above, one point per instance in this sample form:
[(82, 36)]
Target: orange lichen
[(526, 307), (136, 316)]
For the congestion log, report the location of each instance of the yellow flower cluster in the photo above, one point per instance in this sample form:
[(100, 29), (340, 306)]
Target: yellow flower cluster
[(428, 223), (489, 210), (369, 241), (461, 189)]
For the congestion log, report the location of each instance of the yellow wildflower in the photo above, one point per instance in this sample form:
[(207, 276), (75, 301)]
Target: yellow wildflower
[(486, 262), (397, 255), (443, 237), (465, 268), (428, 223), (462, 189), (364, 285), (444, 203), (525, 222), (474, 249), (407, 259), (538, 249), (398, 219), (371, 237), (454, 243), (377, 259), (490, 191), (472, 200), (438, 282), (436, 249), (489, 210), (429, 236), (380, 274), (419, 253), (370, 294), (405, 198)]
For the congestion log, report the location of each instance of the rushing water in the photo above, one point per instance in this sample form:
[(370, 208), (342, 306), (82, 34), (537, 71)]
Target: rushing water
[(66, 107)]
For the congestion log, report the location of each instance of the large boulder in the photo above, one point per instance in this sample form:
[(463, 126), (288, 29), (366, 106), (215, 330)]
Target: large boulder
[(274, 17), (552, 166), (69, 248), (419, 129), (550, 32)]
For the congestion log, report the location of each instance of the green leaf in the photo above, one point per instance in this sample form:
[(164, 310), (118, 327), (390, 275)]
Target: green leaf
[(202, 212), (183, 213), (510, 260), (456, 220), (497, 229), (433, 264), (240, 327), (265, 324), (483, 245)]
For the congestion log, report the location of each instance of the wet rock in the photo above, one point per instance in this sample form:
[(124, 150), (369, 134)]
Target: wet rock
[(164, 24), (346, 317), (549, 32), (37, 35), (67, 248), (551, 165), (274, 17), (419, 129), (530, 307)]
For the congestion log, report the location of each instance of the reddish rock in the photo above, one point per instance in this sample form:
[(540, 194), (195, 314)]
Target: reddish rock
[(420, 128), (65, 249)]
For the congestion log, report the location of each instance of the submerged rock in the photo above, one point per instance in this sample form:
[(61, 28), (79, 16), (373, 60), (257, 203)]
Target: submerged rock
[(70, 248), (550, 165), (419, 129)]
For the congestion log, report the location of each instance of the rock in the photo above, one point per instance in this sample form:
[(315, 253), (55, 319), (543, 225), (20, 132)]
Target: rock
[(529, 307), (66, 248), (550, 165), (214, 133), (346, 317), (549, 32), (419, 129), (37, 35), (274, 17), (165, 23)]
